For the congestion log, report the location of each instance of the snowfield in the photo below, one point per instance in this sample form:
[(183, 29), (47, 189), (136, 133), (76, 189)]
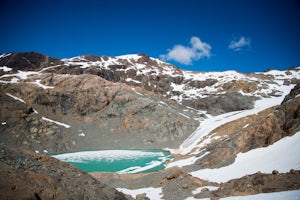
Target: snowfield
[(282, 156)]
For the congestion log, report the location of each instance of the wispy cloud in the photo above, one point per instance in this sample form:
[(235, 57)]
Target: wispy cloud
[(187, 54), (240, 44)]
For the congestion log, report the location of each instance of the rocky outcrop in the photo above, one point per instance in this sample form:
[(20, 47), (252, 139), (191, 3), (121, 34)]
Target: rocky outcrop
[(177, 184), (284, 121), (228, 102), (22, 127), (254, 184), (252, 132), (124, 70), (28, 61), (27, 175), (241, 85)]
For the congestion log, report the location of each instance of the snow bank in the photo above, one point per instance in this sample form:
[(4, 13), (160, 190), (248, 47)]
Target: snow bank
[(282, 156), (133, 89), (186, 162)]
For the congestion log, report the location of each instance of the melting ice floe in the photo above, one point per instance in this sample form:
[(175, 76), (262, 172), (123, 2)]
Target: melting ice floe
[(110, 155), (138, 169)]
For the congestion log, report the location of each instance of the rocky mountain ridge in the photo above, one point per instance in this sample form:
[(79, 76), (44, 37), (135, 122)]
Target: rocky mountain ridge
[(51, 105)]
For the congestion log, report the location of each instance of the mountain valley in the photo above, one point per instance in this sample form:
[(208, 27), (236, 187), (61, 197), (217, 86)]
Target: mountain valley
[(207, 120)]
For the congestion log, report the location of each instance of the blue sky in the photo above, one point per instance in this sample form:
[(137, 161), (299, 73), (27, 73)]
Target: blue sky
[(200, 35)]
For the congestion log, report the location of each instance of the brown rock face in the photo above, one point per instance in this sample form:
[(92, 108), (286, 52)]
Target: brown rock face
[(22, 127), (241, 85), (111, 115), (26, 175), (284, 121)]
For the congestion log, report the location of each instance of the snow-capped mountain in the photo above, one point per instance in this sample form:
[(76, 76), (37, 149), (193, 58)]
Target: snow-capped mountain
[(206, 119)]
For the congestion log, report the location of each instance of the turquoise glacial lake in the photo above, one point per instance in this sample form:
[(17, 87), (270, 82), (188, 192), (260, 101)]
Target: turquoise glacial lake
[(120, 161)]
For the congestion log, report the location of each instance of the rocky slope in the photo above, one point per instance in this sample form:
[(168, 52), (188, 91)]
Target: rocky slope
[(98, 113), (177, 184), (91, 102), (262, 129), (254, 131), (27, 175)]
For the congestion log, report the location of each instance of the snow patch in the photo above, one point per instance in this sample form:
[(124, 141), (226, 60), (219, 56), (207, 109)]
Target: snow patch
[(5, 55), (133, 89), (38, 83), (5, 68), (56, 122), (186, 162), (210, 188), (20, 74), (16, 98), (184, 115), (132, 80), (245, 126), (151, 193)]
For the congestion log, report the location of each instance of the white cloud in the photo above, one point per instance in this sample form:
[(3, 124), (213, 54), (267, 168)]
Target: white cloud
[(187, 54), (238, 45)]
